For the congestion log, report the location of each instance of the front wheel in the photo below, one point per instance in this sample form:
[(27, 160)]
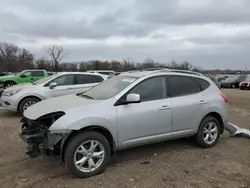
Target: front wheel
[(87, 154), (208, 133), (26, 103)]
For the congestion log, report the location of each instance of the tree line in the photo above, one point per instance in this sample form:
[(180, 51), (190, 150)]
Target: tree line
[(16, 59)]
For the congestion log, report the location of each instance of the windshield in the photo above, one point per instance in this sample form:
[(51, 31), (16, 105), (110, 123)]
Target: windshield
[(109, 88), (43, 80), (19, 74)]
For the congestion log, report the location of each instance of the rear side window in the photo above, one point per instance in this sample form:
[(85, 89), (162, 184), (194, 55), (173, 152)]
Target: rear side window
[(37, 73), (182, 85), (203, 83), (83, 79), (97, 79)]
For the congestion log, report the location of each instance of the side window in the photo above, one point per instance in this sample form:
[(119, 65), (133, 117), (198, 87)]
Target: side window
[(64, 80), (182, 85), (50, 73), (151, 89), (83, 79), (203, 83), (37, 73), (27, 74), (97, 79)]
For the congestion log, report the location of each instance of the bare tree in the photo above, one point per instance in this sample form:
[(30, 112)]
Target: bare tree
[(56, 54)]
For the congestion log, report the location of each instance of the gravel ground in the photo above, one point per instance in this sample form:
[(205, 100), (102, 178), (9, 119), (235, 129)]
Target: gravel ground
[(177, 164)]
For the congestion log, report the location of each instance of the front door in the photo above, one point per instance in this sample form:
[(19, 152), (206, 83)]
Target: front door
[(148, 121), (65, 84)]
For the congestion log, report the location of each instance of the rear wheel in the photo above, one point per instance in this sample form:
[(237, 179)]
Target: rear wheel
[(87, 154), (208, 133), (8, 84), (26, 103), (233, 86)]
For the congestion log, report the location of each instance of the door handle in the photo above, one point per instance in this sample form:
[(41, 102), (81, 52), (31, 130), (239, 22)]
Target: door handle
[(165, 107), (69, 88), (32, 78), (202, 102)]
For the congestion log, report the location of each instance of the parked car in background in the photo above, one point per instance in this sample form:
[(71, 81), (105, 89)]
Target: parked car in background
[(128, 110), (215, 81), (26, 76), (5, 73), (106, 72), (246, 83), (232, 82), (20, 97)]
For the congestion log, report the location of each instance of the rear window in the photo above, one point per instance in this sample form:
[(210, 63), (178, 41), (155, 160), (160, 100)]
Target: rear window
[(202, 83), (182, 85)]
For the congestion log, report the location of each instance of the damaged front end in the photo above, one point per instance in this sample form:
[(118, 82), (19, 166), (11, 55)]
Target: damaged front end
[(36, 134)]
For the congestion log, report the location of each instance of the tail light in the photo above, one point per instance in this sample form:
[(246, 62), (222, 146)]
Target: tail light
[(224, 97)]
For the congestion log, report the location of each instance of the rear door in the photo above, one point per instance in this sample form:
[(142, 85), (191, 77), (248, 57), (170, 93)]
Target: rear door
[(188, 102), (84, 82)]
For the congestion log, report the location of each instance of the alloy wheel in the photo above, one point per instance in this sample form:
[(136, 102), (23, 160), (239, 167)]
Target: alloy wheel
[(210, 132), (89, 156), (28, 104)]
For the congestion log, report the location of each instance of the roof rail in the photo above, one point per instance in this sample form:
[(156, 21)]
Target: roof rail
[(184, 71)]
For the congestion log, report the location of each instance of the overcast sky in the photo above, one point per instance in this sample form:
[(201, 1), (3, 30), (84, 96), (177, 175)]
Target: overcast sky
[(207, 33)]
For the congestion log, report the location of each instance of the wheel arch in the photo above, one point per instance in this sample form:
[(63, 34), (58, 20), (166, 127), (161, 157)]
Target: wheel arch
[(218, 117), (97, 128), (30, 96)]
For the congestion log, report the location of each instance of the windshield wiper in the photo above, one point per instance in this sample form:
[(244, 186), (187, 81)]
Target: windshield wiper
[(87, 96)]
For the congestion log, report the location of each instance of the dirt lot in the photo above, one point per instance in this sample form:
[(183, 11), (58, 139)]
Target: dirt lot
[(172, 164)]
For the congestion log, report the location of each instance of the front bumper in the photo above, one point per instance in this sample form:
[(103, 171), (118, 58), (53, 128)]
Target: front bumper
[(9, 103), (39, 140)]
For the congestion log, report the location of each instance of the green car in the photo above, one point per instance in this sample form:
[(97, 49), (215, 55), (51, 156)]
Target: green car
[(26, 76)]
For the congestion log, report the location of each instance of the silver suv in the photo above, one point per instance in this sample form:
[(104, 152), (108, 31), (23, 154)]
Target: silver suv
[(132, 109)]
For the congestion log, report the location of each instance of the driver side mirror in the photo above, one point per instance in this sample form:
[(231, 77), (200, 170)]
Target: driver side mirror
[(23, 76), (52, 85), (133, 98)]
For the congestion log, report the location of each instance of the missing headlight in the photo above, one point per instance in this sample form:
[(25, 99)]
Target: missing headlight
[(48, 119)]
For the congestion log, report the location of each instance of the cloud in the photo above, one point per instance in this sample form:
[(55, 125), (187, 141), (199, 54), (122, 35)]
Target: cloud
[(208, 33)]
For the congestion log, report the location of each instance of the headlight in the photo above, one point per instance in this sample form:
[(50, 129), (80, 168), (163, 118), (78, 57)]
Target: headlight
[(12, 92)]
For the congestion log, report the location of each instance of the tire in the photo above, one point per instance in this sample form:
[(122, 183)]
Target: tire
[(25, 103), (71, 155), (200, 137), (8, 84), (233, 86)]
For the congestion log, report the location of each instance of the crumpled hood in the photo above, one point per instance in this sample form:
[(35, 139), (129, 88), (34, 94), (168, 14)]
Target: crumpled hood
[(56, 104), (20, 86)]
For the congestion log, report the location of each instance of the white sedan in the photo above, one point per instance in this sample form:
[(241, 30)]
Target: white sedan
[(20, 97)]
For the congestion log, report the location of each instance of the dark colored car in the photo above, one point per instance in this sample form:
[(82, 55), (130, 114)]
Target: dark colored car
[(232, 82)]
